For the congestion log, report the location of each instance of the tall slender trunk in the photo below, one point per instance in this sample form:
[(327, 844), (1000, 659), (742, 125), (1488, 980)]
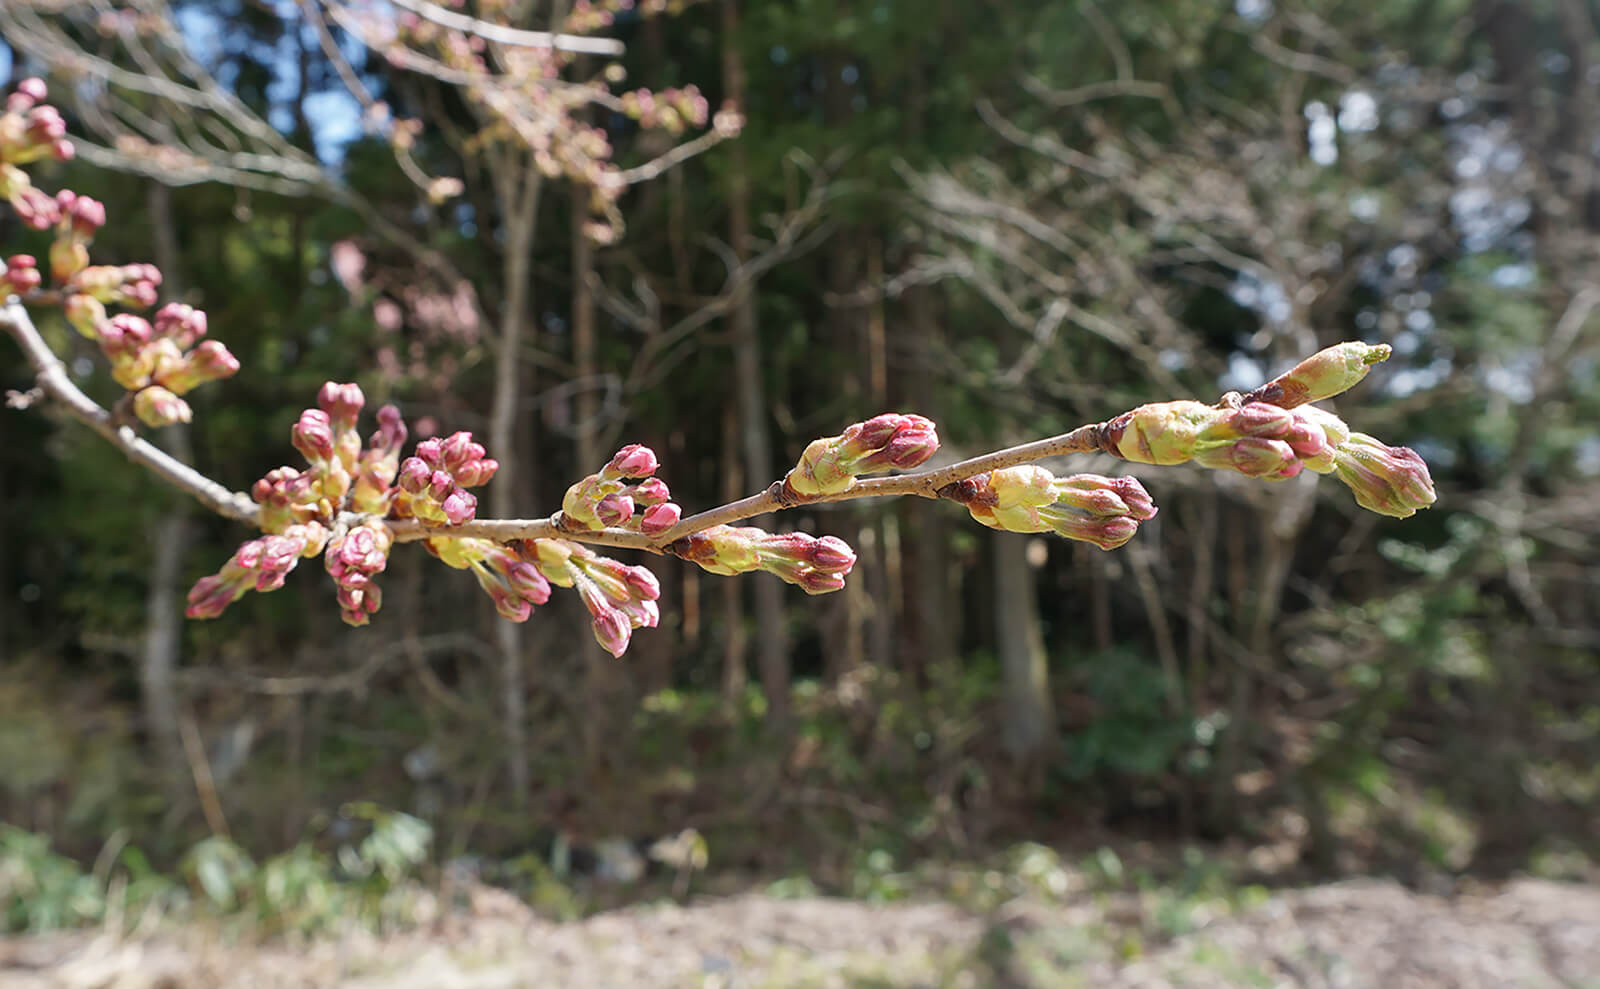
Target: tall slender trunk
[(517, 187), (773, 643), (602, 682), (1029, 714), (161, 649)]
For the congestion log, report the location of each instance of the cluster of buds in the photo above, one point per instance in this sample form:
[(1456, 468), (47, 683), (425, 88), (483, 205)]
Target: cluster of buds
[(1105, 511), (30, 130), (511, 581), (352, 559), (624, 494), (620, 598), (258, 565), (829, 466), (671, 110), (434, 483), (1264, 439), (1389, 480), (816, 566), (159, 362), (305, 505)]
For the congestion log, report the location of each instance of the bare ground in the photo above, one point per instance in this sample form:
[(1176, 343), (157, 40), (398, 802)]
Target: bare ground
[(1356, 934)]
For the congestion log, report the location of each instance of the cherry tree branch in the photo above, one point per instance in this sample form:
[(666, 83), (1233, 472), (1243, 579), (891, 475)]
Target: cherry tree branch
[(54, 382)]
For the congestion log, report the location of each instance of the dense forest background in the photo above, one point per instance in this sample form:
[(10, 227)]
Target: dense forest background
[(1011, 218)]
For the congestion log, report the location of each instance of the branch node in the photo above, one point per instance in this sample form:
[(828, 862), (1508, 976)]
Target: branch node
[(24, 399)]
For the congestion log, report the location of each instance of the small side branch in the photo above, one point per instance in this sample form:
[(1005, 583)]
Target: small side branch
[(53, 380)]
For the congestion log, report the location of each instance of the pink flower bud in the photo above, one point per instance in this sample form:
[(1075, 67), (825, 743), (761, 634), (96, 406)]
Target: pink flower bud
[(1253, 456), (832, 555), (614, 510), (156, 406), (659, 518), (391, 433), (526, 581), (440, 486), (35, 208), (19, 275), (33, 89), (818, 582), (430, 451), (343, 404), (830, 465), (312, 435), (457, 449), (642, 583), (651, 492), (511, 607), (633, 460), (1389, 480), (477, 472), (181, 322), (612, 630), (414, 476), (80, 215), (460, 506)]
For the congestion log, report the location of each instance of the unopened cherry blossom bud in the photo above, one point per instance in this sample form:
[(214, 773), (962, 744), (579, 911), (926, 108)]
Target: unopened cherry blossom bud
[(613, 630), (1323, 375), (659, 518), (1253, 456), (156, 406), (429, 451), (614, 510), (19, 275), (633, 460), (343, 404), (526, 580), (1162, 433), (829, 465), (81, 216), (830, 554), (1106, 532), (181, 322), (414, 476), (86, 314), (391, 432), (460, 506), (67, 258), (36, 208), (124, 338), (211, 361), (651, 492), (457, 449), (1389, 480), (312, 435), (478, 472)]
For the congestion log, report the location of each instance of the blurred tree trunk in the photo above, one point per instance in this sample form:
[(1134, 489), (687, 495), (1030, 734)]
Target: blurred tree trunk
[(1028, 716), (924, 623), (735, 642), (163, 630), (600, 723), (517, 187), (773, 643)]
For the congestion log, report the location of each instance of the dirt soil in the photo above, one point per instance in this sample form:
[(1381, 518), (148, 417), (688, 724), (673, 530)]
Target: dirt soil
[(1350, 935)]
